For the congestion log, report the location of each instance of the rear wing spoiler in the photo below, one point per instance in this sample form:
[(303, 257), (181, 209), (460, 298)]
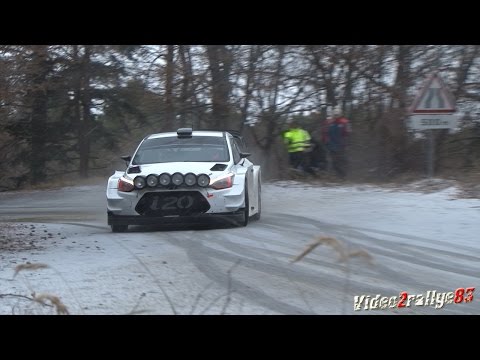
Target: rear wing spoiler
[(235, 133)]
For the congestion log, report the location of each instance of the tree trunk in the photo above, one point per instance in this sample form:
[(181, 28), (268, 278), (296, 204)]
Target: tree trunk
[(254, 54), (220, 62), (398, 111), (38, 118), (169, 106), (82, 108)]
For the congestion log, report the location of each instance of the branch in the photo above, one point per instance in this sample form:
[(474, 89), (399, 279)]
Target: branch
[(23, 297)]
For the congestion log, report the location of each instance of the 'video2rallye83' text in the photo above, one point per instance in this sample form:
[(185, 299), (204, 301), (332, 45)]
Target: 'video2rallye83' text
[(185, 175)]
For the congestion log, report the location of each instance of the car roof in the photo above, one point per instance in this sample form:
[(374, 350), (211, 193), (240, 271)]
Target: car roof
[(194, 133)]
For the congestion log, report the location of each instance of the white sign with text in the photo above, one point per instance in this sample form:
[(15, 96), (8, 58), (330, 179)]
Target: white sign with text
[(433, 121)]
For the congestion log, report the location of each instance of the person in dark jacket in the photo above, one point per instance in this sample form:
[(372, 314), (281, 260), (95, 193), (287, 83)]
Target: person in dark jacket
[(318, 156), (335, 136)]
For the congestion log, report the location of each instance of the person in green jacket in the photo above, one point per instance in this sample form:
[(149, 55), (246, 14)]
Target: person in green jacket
[(297, 141)]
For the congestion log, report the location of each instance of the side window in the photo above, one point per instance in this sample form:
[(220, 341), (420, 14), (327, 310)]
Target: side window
[(235, 151), (240, 144)]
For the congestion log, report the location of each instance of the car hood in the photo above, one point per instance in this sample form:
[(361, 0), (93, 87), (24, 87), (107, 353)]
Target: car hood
[(181, 167)]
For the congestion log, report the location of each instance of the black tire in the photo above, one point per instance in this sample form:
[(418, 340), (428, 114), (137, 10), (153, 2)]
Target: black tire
[(256, 217), (119, 228), (245, 210)]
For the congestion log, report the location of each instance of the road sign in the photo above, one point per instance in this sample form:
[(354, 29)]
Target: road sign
[(433, 121), (434, 98)]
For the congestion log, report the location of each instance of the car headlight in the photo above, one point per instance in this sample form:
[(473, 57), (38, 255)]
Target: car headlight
[(177, 179), (125, 185), (190, 179), (203, 180), (223, 182), (139, 182), (165, 179), (152, 180)]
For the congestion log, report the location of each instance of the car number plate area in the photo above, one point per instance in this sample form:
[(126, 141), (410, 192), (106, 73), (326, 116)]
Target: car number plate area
[(181, 203)]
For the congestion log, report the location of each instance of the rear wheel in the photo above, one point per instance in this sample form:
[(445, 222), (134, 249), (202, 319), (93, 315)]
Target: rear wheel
[(119, 228)]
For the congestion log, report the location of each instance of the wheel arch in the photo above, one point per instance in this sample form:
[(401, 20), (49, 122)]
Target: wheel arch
[(253, 192)]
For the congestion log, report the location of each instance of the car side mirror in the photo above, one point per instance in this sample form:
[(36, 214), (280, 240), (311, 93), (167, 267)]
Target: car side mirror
[(244, 155), (126, 158)]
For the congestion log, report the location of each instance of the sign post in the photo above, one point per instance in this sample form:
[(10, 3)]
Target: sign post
[(432, 109), (430, 153)]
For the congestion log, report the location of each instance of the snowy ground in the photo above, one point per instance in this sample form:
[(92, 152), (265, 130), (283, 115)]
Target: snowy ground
[(414, 210), (417, 240)]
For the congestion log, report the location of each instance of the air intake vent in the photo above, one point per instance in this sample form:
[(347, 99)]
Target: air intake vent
[(218, 167), (134, 170)]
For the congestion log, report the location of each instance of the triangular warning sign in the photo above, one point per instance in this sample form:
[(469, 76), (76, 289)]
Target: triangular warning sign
[(433, 98)]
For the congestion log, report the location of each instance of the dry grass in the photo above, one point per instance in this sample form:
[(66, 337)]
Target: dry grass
[(54, 300), (309, 249), (29, 266), (336, 245), (361, 254), (42, 298), (344, 256)]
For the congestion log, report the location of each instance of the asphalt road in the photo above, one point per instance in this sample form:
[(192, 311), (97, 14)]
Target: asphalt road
[(217, 269)]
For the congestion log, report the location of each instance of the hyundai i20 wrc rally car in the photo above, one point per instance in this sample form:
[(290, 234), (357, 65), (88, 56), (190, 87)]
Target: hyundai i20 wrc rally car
[(185, 175)]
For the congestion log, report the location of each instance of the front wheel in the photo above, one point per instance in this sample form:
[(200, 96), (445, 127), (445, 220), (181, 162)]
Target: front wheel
[(119, 228), (258, 214), (246, 209)]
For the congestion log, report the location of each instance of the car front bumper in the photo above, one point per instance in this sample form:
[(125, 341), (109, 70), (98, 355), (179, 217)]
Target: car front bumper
[(221, 202), (233, 217)]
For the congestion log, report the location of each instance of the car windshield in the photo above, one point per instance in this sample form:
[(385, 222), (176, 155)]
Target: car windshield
[(174, 149)]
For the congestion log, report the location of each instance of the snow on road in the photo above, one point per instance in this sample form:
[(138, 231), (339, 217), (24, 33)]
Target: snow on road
[(418, 241), (439, 215)]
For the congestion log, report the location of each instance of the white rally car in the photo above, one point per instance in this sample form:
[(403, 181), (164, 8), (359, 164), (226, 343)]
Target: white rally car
[(185, 175)]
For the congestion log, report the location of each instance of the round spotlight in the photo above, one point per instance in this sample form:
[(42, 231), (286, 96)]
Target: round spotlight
[(190, 179), (203, 180), (177, 179), (152, 180), (165, 179), (139, 182)]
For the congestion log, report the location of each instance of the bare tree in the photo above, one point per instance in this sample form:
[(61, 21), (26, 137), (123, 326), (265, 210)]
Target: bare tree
[(220, 62)]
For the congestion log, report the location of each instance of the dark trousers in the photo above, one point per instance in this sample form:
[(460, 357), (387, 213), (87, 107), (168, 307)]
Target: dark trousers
[(318, 158), (339, 162), (300, 160), (296, 159)]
